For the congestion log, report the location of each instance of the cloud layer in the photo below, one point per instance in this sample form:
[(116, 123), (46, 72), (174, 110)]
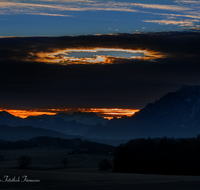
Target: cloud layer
[(180, 10), (26, 82), (180, 23)]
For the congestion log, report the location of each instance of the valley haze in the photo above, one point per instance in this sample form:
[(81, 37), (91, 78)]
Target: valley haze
[(176, 114)]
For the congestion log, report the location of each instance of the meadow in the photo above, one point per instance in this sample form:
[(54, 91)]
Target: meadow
[(80, 173)]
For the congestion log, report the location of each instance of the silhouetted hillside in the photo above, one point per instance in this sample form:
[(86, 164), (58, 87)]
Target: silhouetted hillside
[(159, 156), (19, 133), (26, 132), (177, 114), (57, 124), (46, 141), (82, 117), (72, 124), (9, 119)]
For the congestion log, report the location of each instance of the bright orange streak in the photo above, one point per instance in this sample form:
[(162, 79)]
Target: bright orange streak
[(24, 113), (60, 56), (108, 113), (109, 118)]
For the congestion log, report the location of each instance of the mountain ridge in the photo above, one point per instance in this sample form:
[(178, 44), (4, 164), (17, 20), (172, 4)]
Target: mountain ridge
[(73, 124), (176, 114)]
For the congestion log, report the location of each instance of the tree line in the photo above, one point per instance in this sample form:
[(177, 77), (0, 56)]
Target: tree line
[(159, 156), (46, 141), (42, 141)]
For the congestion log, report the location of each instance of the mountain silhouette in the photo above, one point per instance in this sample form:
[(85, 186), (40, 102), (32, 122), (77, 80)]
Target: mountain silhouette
[(90, 118), (73, 124), (26, 132), (176, 114)]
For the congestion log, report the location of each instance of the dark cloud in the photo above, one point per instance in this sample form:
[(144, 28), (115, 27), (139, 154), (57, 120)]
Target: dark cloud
[(171, 44), (24, 82)]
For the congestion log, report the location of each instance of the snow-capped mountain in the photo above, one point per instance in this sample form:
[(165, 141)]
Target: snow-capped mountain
[(176, 114), (180, 108)]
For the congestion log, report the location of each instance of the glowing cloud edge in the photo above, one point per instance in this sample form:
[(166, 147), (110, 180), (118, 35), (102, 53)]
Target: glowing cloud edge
[(57, 57)]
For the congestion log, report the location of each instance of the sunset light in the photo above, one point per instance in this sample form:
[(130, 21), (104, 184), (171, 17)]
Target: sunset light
[(87, 84), (110, 113), (25, 113), (95, 56), (107, 113)]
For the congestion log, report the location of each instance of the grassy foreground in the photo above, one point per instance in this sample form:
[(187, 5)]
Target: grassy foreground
[(82, 173)]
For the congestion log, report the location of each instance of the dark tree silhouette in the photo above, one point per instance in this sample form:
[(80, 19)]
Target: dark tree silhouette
[(159, 156), (105, 165), (24, 161), (64, 161)]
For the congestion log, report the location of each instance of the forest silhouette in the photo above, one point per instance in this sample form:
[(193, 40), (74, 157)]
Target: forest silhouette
[(167, 156)]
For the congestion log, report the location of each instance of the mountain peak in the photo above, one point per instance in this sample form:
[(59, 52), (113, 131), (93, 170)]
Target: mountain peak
[(176, 107), (6, 114), (79, 113), (187, 93)]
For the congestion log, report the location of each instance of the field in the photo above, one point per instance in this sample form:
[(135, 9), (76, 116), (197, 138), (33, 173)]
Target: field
[(80, 173), (46, 158)]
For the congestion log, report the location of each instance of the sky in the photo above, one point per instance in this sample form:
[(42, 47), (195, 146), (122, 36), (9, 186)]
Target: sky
[(83, 17), (109, 57)]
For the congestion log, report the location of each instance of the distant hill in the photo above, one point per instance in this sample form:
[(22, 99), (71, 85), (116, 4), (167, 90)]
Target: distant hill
[(8, 133), (176, 114), (26, 132), (74, 124), (77, 145), (90, 118), (57, 124), (9, 119)]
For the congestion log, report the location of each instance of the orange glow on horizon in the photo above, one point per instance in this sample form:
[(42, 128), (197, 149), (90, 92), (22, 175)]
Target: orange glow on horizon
[(112, 112), (107, 113), (25, 113), (109, 118)]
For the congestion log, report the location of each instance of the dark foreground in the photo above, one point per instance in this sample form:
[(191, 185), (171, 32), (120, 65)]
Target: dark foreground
[(91, 178), (158, 186)]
